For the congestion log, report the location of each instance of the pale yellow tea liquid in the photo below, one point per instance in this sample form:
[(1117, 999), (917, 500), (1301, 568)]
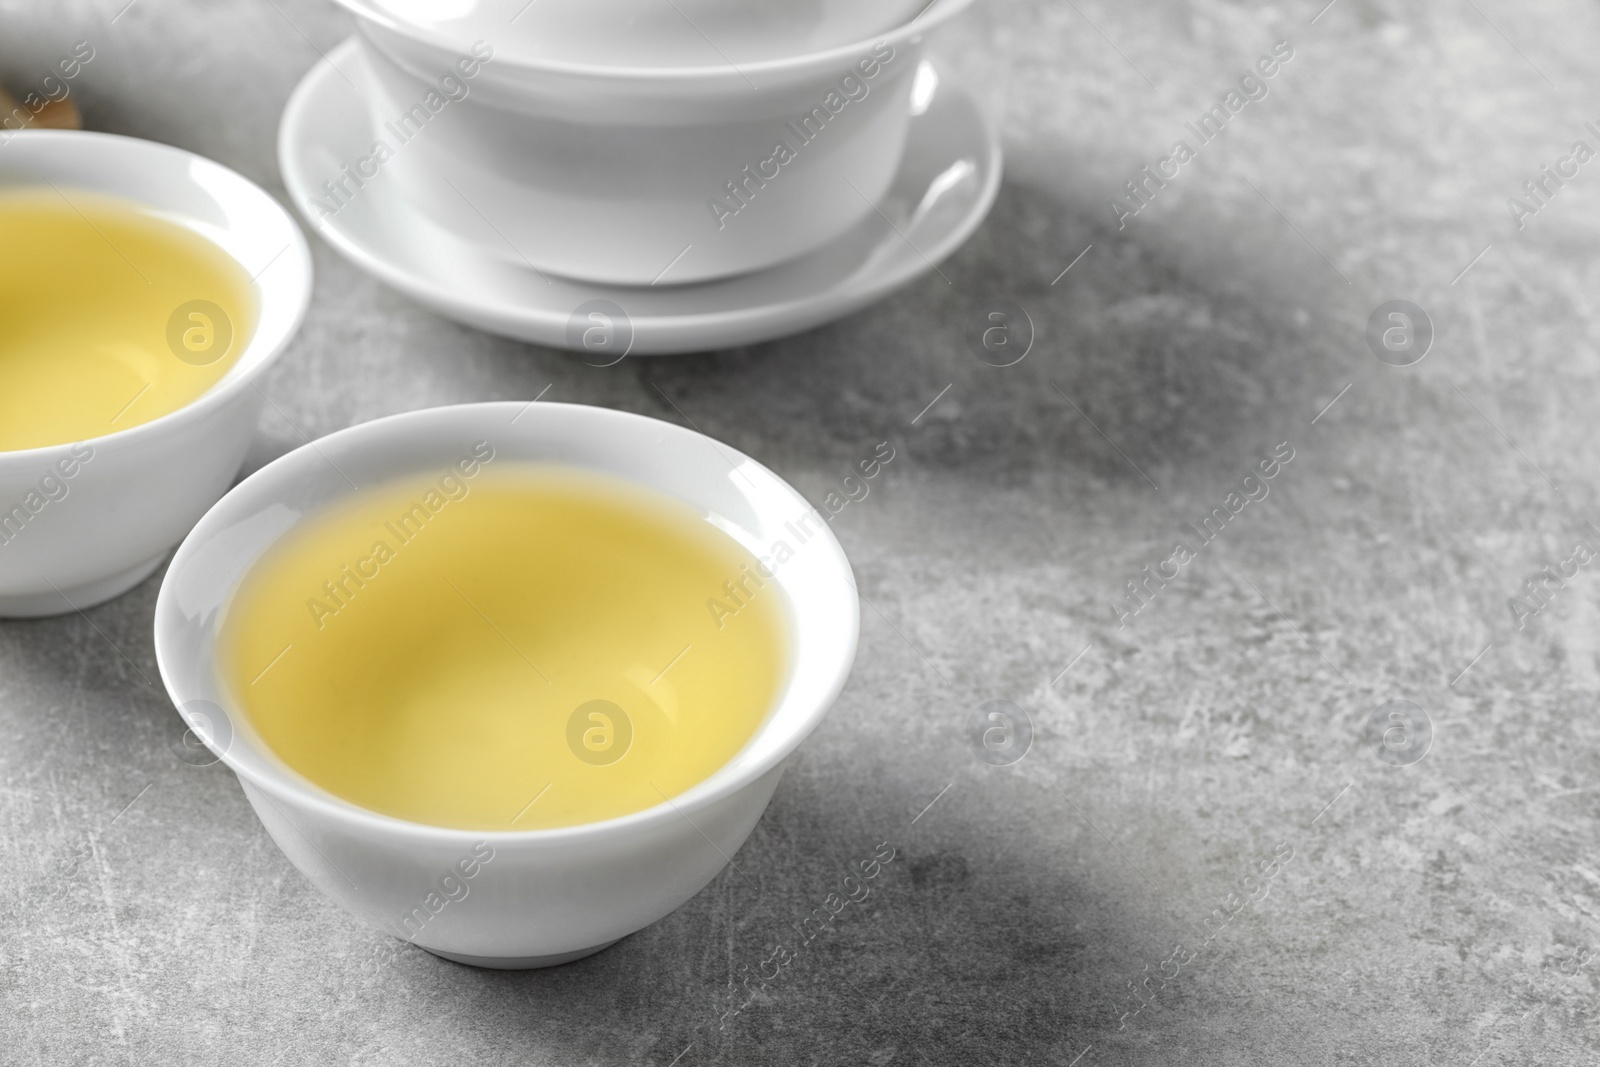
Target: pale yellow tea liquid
[(506, 647), (109, 315)]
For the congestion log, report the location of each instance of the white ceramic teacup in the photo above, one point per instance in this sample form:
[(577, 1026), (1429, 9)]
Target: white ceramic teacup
[(628, 174), (528, 898), (647, 33), (83, 522)]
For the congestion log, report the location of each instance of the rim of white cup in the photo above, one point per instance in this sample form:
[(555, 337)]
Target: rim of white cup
[(290, 291), (284, 781), (935, 13)]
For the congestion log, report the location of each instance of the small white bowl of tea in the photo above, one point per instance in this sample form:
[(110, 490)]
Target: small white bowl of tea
[(144, 291), (508, 680)]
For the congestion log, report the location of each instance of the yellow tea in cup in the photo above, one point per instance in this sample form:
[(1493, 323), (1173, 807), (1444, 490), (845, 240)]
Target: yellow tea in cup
[(505, 647), (110, 315)]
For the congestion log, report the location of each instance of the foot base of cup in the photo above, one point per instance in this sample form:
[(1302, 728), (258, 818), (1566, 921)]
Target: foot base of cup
[(518, 963), (77, 597)]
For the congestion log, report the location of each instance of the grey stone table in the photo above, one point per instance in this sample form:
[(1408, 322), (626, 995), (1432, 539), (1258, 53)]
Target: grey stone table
[(1209, 854)]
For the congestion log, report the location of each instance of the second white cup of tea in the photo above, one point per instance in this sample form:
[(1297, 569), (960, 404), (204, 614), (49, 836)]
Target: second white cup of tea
[(83, 522), (549, 895), (627, 173)]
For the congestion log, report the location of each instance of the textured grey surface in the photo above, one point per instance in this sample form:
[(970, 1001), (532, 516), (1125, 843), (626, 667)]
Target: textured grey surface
[(1440, 912)]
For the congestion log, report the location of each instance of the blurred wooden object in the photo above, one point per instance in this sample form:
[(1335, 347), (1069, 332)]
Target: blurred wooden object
[(58, 115), (54, 115)]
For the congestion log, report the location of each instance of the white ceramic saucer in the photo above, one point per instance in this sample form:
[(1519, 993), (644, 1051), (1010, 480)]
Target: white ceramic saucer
[(946, 185)]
